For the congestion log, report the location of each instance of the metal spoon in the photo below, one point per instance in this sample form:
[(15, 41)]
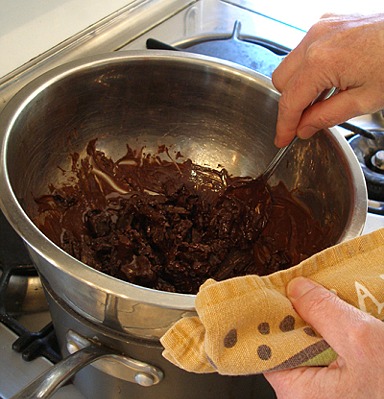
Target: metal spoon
[(281, 153), (268, 172)]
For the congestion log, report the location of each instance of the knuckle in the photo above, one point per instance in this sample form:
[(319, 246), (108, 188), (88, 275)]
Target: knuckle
[(328, 15), (319, 300), (320, 27), (325, 120), (360, 329), (316, 56), (285, 103), (283, 109), (276, 80)]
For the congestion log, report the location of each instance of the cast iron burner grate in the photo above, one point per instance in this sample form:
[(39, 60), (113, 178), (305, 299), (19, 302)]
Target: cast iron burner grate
[(258, 54), (14, 261), (370, 154)]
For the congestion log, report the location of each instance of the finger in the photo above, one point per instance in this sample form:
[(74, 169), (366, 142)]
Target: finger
[(302, 382), (283, 382), (334, 319), (335, 110), (286, 69), (328, 113), (289, 65), (294, 100)]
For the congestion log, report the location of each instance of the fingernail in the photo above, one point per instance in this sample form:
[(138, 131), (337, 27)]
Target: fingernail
[(299, 286)]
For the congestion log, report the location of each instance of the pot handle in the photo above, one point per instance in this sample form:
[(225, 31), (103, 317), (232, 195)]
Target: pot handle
[(47, 383)]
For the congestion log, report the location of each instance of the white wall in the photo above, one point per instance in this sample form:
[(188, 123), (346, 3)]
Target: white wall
[(30, 27), (303, 13)]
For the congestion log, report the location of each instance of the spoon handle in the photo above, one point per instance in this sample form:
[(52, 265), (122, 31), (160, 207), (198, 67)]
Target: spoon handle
[(281, 153), (276, 160)]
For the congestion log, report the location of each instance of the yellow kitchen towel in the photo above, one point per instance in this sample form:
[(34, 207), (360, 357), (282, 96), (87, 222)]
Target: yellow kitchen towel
[(247, 325)]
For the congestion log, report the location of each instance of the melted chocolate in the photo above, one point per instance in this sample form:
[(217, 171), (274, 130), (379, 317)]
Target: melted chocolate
[(171, 225)]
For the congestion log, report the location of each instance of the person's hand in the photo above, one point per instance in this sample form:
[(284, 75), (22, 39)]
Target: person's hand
[(346, 52), (357, 338)]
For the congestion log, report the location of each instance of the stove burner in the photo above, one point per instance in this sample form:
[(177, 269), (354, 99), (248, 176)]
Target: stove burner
[(30, 344), (258, 54), (15, 269), (377, 161), (370, 154)]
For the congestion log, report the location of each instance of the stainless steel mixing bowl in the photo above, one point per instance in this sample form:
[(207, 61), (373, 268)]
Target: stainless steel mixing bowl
[(212, 111)]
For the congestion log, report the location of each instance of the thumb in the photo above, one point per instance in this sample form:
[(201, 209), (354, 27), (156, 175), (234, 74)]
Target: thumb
[(330, 316), (337, 109)]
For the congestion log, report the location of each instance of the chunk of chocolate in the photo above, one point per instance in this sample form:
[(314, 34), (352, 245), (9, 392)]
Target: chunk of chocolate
[(171, 225)]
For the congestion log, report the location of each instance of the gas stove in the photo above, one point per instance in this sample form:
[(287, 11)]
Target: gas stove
[(231, 30)]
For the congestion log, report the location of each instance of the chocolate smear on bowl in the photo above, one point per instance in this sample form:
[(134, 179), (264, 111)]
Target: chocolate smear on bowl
[(169, 224)]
